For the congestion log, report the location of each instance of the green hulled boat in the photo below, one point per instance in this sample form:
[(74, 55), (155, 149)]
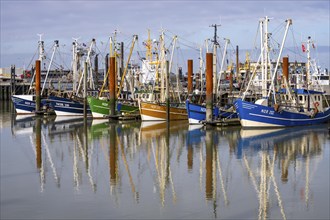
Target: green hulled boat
[(100, 107)]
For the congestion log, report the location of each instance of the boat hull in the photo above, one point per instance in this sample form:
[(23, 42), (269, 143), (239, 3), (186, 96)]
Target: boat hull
[(254, 115), (197, 113), (25, 104), (100, 108), (157, 112), (67, 107)]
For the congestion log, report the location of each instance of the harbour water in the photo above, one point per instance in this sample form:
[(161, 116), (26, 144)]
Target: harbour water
[(67, 168)]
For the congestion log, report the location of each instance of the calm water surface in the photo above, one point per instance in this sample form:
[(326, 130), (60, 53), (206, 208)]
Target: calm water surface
[(62, 168)]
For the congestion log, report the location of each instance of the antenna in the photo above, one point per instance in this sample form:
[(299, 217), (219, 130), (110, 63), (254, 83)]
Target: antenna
[(215, 33)]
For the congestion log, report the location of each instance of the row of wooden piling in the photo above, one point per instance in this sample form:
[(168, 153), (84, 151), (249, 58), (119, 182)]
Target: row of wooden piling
[(112, 87)]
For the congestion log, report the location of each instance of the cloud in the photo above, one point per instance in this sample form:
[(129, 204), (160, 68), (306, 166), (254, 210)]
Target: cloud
[(21, 21)]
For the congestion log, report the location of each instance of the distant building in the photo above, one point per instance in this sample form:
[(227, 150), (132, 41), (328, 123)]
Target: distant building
[(5, 73)]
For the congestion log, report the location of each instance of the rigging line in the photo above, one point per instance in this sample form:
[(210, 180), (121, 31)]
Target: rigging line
[(62, 59), (193, 43), (33, 57), (191, 47), (98, 50), (106, 47), (256, 37), (295, 45), (279, 29)]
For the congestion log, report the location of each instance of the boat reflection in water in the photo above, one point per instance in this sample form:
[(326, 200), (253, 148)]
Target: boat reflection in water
[(290, 150), (206, 173)]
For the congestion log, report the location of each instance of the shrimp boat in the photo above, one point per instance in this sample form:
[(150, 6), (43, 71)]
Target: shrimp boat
[(300, 106), (26, 104), (151, 111), (197, 111), (72, 104), (100, 105), (154, 104)]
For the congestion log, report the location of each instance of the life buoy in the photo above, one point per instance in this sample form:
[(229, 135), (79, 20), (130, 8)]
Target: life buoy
[(316, 104)]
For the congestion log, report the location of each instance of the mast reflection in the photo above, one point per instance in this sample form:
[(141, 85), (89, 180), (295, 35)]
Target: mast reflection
[(288, 149), (156, 163)]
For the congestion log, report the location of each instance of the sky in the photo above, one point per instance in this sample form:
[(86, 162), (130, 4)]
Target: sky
[(22, 20)]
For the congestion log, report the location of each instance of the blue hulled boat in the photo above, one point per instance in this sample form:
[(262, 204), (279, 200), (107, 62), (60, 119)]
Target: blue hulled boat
[(309, 112), (297, 104), (197, 113), (66, 106)]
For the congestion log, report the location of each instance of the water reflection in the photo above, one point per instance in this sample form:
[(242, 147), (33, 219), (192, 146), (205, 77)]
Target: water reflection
[(165, 164), (280, 147)]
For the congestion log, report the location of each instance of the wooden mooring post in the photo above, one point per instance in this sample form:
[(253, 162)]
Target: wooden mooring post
[(209, 86), (112, 86), (37, 80)]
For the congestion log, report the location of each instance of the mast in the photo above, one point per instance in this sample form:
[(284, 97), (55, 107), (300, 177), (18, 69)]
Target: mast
[(215, 45), (51, 61), (288, 23), (135, 37), (88, 60), (308, 64), (107, 69), (162, 68), (149, 47), (41, 57), (201, 69), (171, 58), (41, 48), (264, 55), (74, 65), (91, 81)]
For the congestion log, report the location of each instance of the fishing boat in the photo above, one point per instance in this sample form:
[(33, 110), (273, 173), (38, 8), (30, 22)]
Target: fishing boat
[(100, 105), (67, 107), (310, 112), (151, 111), (287, 106), (197, 113), (72, 103), (157, 104), (26, 104), (197, 110)]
